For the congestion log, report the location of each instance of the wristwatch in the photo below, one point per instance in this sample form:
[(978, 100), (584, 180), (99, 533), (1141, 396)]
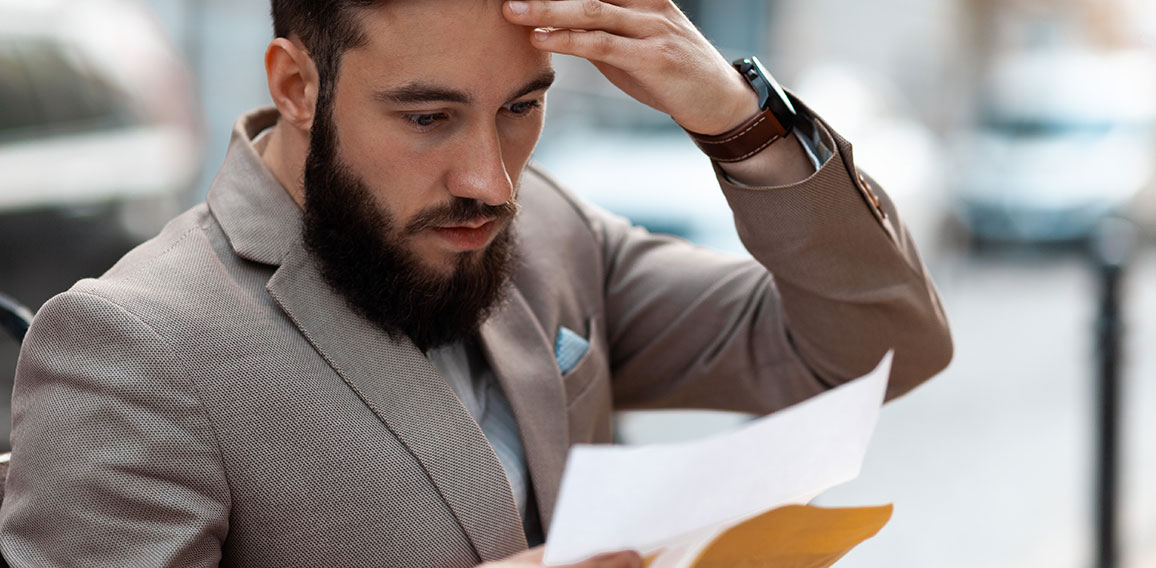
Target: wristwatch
[(777, 118)]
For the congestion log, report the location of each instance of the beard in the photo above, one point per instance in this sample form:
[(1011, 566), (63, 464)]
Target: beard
[(363, 253)]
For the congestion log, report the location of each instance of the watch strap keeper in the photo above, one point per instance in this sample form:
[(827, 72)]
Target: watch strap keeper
[(743, 141)]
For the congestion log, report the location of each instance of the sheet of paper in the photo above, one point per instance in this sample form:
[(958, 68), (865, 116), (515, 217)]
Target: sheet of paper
[(646, 498)]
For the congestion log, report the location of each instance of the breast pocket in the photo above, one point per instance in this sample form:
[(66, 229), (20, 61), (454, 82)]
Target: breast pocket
[(587, 387)]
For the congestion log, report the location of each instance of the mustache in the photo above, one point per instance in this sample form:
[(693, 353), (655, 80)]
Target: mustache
[(461, 211)]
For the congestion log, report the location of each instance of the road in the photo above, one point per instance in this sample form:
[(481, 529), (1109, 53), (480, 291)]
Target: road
[(991, 464)]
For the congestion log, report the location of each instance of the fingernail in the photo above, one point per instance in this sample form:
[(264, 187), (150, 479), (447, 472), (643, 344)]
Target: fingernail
[(541, 34), (518, 7)]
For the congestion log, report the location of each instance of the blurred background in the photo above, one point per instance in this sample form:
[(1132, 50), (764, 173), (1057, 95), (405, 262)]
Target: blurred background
[(1007, 131)]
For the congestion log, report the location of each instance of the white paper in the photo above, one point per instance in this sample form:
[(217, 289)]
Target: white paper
[(647, 498)]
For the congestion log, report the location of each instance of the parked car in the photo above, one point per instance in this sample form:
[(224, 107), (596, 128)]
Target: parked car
[(1064, 137), (96, 111)]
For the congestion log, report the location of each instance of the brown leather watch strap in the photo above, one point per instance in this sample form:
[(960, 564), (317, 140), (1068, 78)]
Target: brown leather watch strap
[(743, 141)]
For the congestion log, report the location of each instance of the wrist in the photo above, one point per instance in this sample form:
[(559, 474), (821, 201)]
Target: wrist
[(744, 105), (773, 118), (737, 106)]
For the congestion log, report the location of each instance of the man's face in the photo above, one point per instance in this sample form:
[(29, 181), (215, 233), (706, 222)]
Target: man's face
[(445, 103), (410, 177)]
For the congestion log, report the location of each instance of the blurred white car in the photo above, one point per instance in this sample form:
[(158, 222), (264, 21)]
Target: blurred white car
[(1065, 137), (96, 109), (658, 179)]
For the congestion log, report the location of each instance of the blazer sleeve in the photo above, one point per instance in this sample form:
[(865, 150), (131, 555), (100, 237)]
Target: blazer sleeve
[(113, 458), (835, 283)]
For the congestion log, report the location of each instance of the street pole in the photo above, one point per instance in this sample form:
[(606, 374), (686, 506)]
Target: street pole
[(1112, 248)]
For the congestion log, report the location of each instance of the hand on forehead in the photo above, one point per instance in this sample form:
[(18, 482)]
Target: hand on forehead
[(647, 48)]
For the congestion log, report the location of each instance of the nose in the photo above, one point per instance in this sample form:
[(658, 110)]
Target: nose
[(480, 172)]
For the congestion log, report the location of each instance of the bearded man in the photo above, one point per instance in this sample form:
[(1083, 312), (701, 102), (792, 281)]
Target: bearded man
[(375, 342)]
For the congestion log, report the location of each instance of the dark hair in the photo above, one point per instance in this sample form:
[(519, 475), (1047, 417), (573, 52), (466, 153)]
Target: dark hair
[(328, 28)]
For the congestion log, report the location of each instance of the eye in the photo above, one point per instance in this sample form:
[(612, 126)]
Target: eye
[(426, 121), (522, 108)]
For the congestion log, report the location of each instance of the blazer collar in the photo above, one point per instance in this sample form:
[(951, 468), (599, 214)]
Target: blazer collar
[(401, 386), (259, 218), (522, 356)]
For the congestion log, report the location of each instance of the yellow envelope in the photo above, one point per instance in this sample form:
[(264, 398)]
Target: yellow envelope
[(795, 536)]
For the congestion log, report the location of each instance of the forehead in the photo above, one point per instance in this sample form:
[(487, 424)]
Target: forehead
[(463, 43)]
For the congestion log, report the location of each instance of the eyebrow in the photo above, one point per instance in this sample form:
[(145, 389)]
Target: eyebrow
[(540, 83), (420, 93)]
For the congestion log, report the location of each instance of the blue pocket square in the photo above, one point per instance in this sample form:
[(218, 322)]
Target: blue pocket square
[(569, 348)]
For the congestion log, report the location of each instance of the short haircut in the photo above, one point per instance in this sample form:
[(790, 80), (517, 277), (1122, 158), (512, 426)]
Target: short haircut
[(327, 28)]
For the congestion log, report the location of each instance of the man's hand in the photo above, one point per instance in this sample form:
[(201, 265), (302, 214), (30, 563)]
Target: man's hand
[(533, 559), (650, 50)]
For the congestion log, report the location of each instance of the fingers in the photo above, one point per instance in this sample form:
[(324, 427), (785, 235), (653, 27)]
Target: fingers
[(619, 560), (620, 33), (647, 48), (616, 560), (578, 15), (594, 45), (526, 559), (532, 556)]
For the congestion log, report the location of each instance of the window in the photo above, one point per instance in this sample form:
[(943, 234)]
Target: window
[(45, 91), (18, 106)]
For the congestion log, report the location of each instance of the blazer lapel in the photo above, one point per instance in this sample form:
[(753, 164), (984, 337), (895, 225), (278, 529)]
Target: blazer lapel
[(402, 387), (522, 356)]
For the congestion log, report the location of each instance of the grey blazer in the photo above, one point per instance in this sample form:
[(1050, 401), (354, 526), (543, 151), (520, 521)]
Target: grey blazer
[(211, 401)]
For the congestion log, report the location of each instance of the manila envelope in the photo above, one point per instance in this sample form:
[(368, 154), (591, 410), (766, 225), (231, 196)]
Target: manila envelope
[(795, 536)]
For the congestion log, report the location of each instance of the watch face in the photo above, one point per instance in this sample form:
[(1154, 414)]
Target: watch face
[(749, 69)]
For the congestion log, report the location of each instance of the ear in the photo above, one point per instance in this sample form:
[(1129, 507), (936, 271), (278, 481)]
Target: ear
[(293, 82)]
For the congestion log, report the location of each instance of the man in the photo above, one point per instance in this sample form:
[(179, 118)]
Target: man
[(375, 342)]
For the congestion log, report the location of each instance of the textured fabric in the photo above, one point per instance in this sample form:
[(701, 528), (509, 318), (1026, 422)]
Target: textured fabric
[(469, 375), (211, 401), (569, 349)]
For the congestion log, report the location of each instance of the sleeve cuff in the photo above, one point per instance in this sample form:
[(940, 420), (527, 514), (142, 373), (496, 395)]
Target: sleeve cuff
[(817, 151)]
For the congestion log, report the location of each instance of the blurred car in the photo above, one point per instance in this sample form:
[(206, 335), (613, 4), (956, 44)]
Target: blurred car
[(1065, 137), (658, 179), (97, 112), (654, 175)]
